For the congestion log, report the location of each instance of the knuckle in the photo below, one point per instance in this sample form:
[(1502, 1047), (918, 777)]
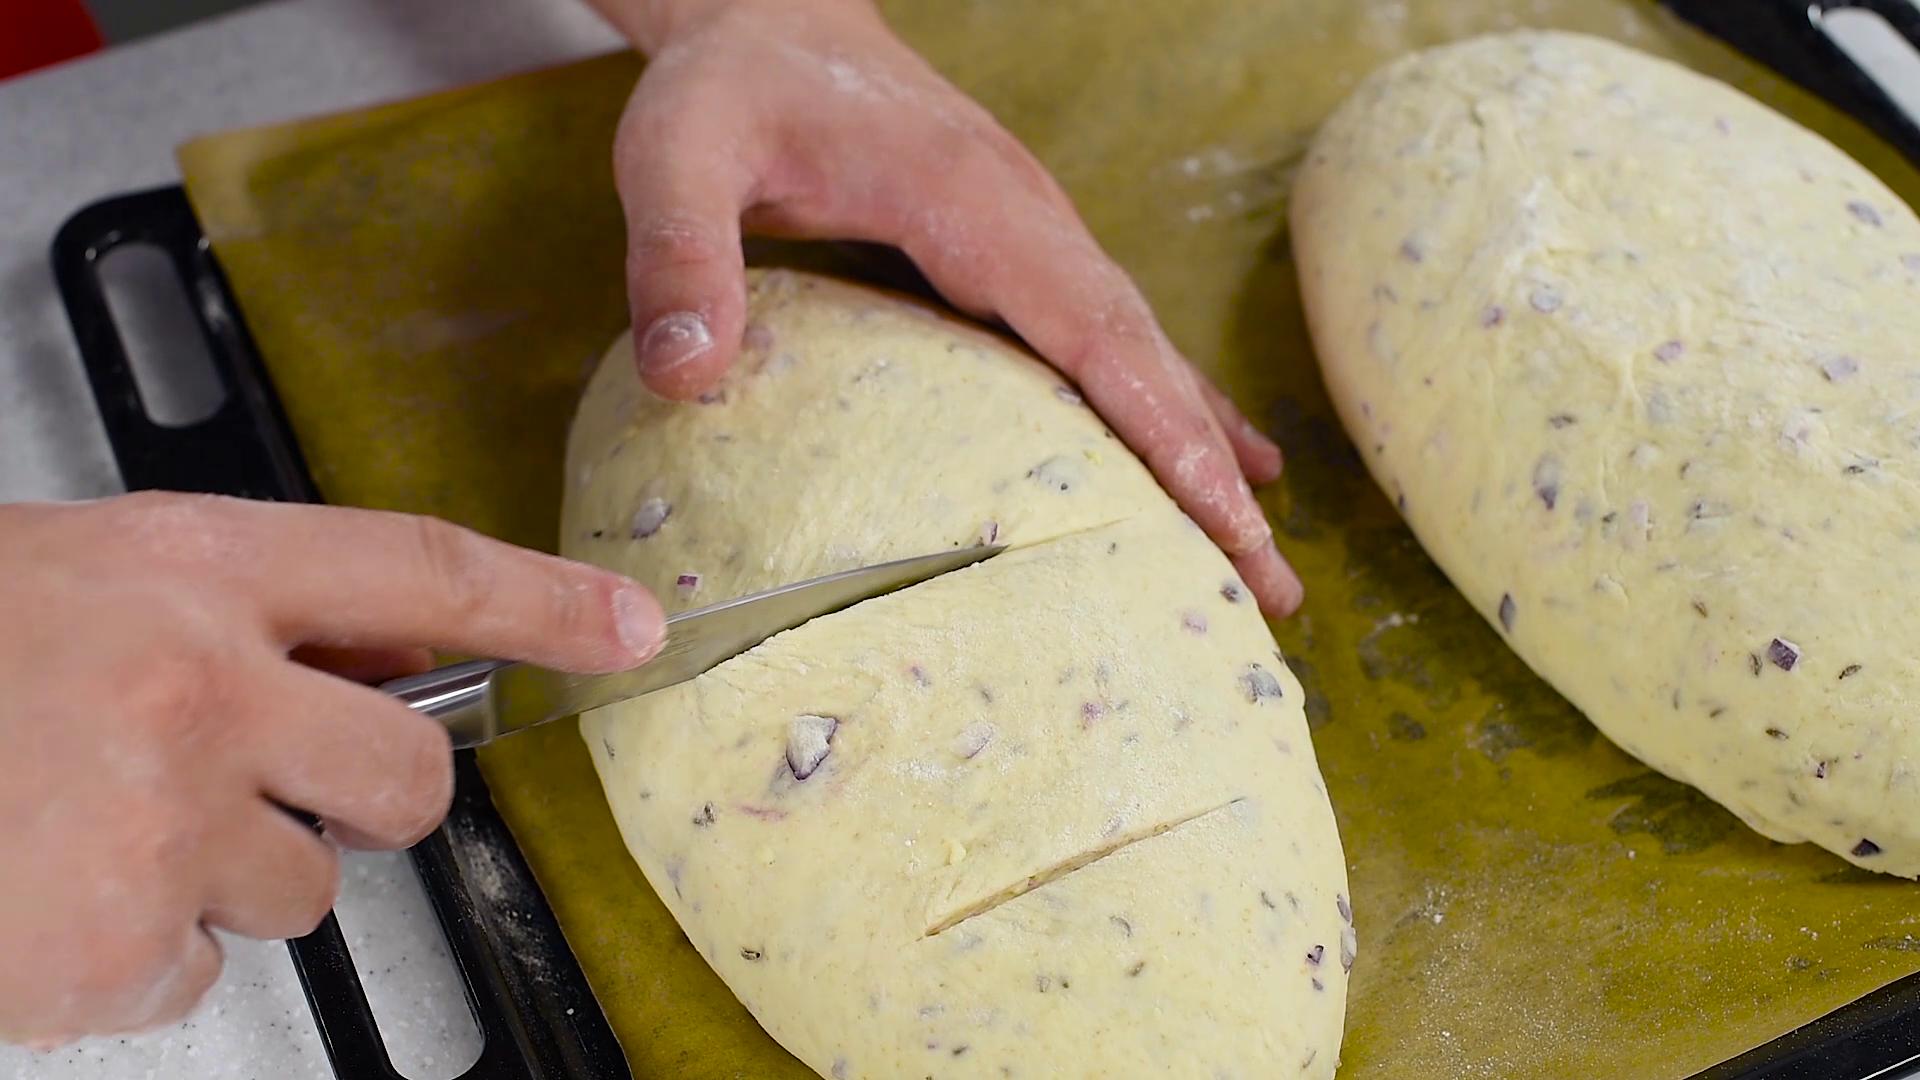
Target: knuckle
[(579, 611), (108, 963), (155, 503), (1124, 316), (173, 691), (975, 161), (1081, 352), (983, 155), (200, 969), (317, 887), (416, 788), (665, 115), (428, 785), (152, 855), (1105, 335), (137, 966), (173, 527), (159, 850), (455, 565), (640, 138), (1244, 533), (671, 239), (1014, 155), (961, 154), (947, 243), (1123, 325), (633, 142)]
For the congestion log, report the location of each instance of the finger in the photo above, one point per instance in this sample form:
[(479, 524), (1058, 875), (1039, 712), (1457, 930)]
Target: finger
[(364, 665), (1258, 456), (365, 764), (276, 878), (1049, 281), (683, 190), (175, 989), (1270, 579), (342, 577)]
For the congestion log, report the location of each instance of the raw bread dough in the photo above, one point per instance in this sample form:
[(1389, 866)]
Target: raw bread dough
[(1635, 357), (1053, 815)]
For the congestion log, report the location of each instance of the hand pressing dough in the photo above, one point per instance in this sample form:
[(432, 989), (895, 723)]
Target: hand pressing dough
[(1635, 357), (1053, 815)]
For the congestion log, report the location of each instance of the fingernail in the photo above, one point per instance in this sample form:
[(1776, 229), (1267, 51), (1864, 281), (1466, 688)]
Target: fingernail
[(637, 619), (672, 340)]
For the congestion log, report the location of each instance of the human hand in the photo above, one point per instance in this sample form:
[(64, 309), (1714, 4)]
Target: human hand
[(156, 731), (813, 120)]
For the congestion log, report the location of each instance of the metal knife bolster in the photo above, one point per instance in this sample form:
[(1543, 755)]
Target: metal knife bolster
[(481, 700), (460, 696)]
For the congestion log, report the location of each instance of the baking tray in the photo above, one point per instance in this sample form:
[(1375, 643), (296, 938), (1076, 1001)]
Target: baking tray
[(536, 1014)]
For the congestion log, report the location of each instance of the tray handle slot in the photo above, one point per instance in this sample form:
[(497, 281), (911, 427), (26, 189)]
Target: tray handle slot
[(1786, 35), (1879, 39), (240, 448)]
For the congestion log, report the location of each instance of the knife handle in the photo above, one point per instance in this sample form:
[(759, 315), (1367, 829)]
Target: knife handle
[(458, 695)]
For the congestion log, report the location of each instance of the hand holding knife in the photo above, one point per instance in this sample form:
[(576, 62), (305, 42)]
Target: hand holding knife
[(482, 700)]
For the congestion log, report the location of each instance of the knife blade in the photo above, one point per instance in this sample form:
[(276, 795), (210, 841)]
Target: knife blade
[(482, 700)]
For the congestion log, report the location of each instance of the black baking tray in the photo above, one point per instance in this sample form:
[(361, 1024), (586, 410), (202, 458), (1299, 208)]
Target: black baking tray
[(537, 1016)]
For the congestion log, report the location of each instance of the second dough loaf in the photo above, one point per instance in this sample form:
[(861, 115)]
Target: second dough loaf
[(1634, 355)]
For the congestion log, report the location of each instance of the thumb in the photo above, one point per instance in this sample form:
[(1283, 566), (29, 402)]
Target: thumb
[(686, 276)]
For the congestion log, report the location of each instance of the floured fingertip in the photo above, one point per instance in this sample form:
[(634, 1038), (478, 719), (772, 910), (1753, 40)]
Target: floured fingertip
[(1272, 581), (680, 357)]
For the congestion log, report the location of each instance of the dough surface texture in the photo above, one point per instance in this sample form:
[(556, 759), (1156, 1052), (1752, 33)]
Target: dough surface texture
[(1053, 815), (1634, 356)]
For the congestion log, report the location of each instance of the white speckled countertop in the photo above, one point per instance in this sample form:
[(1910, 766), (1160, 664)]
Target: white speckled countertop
[(108, 124)]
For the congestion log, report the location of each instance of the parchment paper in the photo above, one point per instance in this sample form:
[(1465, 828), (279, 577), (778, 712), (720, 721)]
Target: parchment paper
[(430, 281)]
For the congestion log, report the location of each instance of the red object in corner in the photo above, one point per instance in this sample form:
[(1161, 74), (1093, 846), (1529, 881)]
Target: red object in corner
[(37, 33)]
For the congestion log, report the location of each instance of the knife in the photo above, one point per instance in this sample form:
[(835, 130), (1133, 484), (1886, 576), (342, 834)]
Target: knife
[(482, 700)]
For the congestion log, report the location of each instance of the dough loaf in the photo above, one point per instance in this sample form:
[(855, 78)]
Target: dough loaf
[(1054, 815), (1635, 357)]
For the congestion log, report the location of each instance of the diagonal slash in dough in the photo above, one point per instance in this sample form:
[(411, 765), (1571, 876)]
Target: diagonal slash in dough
[(1061, 869)]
